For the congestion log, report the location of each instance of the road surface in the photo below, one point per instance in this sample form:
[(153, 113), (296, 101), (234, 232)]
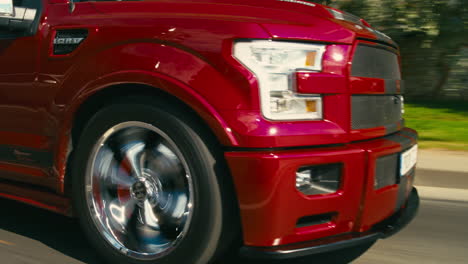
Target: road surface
[(439, 234)]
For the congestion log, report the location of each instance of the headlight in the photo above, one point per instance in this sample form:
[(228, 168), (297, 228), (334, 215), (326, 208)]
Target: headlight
[(274, 64)]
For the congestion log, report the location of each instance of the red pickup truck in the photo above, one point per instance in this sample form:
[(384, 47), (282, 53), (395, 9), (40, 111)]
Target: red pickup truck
[(178, 130)]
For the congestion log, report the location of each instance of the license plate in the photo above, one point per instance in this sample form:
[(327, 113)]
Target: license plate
[(408, 160)]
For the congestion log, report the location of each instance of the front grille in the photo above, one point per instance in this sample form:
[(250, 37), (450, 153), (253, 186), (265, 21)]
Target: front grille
[(370, 111), (375, 62), (386, 169), (383, 110)]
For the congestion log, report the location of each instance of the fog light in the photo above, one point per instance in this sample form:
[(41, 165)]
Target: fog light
[(322, 179)]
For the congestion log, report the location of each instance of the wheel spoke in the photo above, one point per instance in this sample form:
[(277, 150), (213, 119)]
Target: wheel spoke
[(168, 226), (130, 156), (163, 161), (149, 217), (132, 240), (108, 168), (119, 214)]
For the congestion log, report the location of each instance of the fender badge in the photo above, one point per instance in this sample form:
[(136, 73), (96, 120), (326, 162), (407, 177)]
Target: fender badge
[(67, 41)]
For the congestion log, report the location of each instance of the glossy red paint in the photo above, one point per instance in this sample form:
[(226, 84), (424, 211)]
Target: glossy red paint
[(23, 139), (333, 79), (184, 48), (362, 85), (38, 198), (271, 205), (379, 204)]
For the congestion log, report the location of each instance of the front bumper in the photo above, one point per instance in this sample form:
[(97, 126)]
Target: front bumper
[(383, 229), (271, 206)]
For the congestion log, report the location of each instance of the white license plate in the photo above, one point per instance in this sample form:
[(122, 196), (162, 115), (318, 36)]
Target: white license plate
[(408, 160)]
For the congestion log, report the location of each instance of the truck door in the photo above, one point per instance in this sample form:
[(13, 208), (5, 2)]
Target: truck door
[(23, 141)]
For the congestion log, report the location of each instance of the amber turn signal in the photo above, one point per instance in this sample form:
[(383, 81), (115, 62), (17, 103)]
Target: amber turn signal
[(310, 58), (311, 106)]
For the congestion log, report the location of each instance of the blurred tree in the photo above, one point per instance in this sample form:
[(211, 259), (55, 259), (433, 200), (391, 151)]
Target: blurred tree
[(433, 36)]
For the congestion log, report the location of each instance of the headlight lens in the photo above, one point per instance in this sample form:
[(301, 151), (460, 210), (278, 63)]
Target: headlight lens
[(274, 64)]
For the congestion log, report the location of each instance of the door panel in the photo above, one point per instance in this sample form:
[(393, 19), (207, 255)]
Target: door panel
[(25, 148)]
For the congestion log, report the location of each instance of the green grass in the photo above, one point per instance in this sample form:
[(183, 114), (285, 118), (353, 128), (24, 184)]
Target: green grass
[(441, 125)]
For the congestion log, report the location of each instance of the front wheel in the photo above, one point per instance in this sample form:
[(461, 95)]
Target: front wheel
[(146, 187)]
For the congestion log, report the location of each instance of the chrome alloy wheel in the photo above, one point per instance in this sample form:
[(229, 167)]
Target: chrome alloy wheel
[(139, 190)]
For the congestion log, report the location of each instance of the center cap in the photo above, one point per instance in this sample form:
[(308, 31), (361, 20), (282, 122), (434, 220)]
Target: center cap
[(139, 190)]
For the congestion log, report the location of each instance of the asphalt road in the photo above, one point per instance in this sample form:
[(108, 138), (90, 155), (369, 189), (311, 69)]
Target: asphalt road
[(439, 234)]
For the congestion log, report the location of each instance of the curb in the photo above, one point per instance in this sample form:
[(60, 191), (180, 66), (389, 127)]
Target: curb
[(440, 160), (441, 178), (443, 194)]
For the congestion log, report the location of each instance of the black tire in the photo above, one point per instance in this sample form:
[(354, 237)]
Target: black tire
[(214, 223)]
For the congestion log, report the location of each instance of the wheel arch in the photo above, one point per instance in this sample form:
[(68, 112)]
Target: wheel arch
[(107, 95)]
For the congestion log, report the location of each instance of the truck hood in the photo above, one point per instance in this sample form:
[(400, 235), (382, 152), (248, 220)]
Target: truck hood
[(282, 19), (300, 19)]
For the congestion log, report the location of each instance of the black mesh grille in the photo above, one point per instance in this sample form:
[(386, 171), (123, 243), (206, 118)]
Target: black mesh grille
[(374, 62), (370, 111), (386, 169)]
